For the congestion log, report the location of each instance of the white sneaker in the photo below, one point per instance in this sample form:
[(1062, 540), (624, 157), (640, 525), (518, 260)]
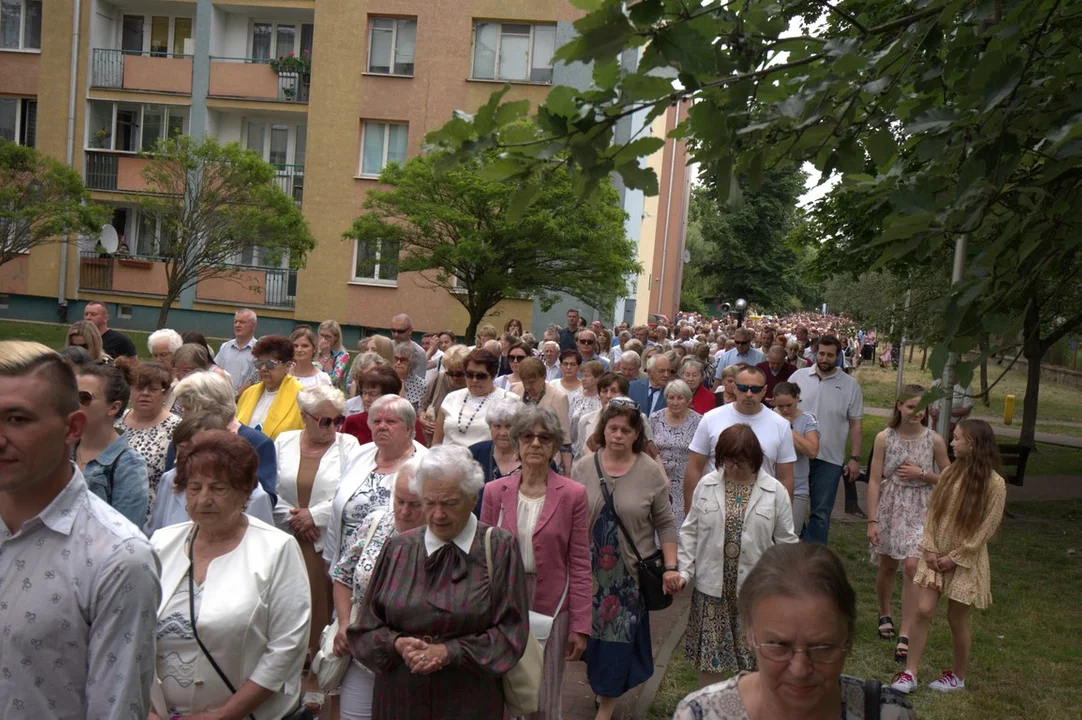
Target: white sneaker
[(904, 682), (948, 682)]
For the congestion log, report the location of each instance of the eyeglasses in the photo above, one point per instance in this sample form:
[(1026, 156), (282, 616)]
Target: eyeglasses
[(85, 397), (456, 374), (372, 394), (817, 654), (585, 341), (268, 364), (516, 358), (149, 389), (400, 331), (743, 342), (326, 422), (477, 376), (624, 402), (528, 438), (754, 388)]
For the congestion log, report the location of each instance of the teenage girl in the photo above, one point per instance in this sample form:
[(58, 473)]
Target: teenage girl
[(903, 472), (964, 512)]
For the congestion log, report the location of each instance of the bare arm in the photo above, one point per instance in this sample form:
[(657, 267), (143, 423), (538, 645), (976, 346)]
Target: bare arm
[(693, 474), (806, 444), (785, 476), (437, 432), (856, 427), (875, 476), (942, 460)]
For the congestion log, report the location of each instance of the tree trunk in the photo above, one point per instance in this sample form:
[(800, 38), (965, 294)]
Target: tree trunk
[(984, 342), (923, 358), (912, 347), (1032, 351), (171, 295)]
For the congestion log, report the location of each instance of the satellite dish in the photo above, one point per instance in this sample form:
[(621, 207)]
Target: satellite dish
[(110, 241), (687, 256)]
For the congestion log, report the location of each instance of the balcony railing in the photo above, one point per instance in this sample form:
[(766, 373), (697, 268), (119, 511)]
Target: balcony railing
[(95, 271), (102, 170), (291, 179), (149, 72), (254, 79)]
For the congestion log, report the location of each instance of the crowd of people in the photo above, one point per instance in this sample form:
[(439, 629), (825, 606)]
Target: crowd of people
[(422, 524)]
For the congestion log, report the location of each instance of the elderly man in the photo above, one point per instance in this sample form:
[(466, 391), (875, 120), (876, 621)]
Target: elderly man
[(630, 366), (650, 394), (742, 353), (162, 344), (115, 344), (776, 371), (80, 588), (775, 436), (235, 356), (401, 330), (550, 355), (589, 348), (568, 334)]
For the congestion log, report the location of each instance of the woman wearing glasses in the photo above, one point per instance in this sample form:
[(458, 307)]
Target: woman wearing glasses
[(461, 419), (409, 364), (85, 334), (798, 611), (516, 353), (737, 512), (270, 405), (452, 376), (311, 463)]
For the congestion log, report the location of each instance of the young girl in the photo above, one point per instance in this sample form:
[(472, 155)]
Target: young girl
[(964, 512), (900, 481)]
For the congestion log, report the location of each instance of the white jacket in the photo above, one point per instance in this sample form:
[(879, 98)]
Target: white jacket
[(767, 521), (253, 616), (332, 468)]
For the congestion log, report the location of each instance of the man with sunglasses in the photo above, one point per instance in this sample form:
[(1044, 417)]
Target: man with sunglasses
[(772, 430), (837, 402), (743, 353), (402, 330), (588, 347), (80, 588)]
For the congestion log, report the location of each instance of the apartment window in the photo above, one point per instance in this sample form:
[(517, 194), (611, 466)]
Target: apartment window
[(168, 35), (391, 45), (19, 120), (273, 40), (278, 144), (513, 51), (161, 122), (129, 127), (152, 239), (376, 260), (20, 24), (382, 143)]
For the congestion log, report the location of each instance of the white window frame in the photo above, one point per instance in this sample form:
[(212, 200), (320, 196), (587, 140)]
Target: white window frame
[(297, 30), (22, 29), (136, 223), (394, 45), (180, 109), (20, 104), (148, 24), (386, 146), (375, 279), (499, 41)]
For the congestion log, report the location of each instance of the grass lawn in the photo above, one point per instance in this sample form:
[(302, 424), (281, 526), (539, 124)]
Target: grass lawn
[(1026, 651), (55, 336)]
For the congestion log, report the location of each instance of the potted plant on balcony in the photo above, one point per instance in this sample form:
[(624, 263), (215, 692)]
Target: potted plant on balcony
[(293, 74)]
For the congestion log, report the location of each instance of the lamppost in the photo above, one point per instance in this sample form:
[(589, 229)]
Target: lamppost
[(740, 309)]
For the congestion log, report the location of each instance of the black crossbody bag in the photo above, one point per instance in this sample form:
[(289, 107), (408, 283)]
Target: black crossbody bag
[(301, 713), (651, 569)]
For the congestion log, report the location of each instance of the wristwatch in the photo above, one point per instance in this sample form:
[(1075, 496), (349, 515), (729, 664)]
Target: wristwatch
[(672, 568), (855, 457)]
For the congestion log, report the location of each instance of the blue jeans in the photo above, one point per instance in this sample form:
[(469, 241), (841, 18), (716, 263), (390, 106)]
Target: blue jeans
[(823, 480)]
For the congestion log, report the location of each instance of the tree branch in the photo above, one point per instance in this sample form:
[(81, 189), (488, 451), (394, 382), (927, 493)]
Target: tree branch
[(838, 11)]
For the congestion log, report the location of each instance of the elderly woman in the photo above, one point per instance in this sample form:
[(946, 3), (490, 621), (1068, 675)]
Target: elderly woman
[(409, 363), (452, 376), (497, 457), (85, 334), (555, 553), (332, 357), (460, 420), (625, 486), (737, 512), (725, 392), (114, 471), (535, 391), (311, 463), (352, 574), (379, 381), (674, 427), (569, 381), (189, 358), (370, 475), (365, 362), (162, 344), (270, 405), (305, 369), (586, 402), (441, 623), (692, 372), (170, 507), (194, 337), (798, 612), (149, 424), (235, 607)]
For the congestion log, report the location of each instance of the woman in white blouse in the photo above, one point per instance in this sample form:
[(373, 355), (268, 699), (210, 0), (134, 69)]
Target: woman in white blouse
[(367, 482), (235, 607), (461, 419), (305, 369), (311, 463)]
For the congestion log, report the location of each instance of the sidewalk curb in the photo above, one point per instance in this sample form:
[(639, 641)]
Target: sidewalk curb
[(661, 664)]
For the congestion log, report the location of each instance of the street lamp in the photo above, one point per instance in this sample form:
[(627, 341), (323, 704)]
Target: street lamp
[(740, 309)]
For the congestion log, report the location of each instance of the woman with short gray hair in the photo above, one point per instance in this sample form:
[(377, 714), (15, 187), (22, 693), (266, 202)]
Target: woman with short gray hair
[(497, 456), (674, 426), (396, 404), (409, 363), (311, 463), (162, 344), (693, 372), (422, 629), (556, 553)]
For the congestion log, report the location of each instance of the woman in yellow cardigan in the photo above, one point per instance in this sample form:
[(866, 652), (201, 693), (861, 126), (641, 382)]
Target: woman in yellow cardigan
[(270, 405)]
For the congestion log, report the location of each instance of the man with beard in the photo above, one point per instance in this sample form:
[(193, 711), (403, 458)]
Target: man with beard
[(836, 400)]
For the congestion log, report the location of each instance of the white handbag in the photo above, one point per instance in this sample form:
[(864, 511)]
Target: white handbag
[(329, 668), (541, 625)]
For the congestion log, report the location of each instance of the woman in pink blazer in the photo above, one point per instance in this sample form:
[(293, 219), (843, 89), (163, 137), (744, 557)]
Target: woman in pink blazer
[(548, 514)]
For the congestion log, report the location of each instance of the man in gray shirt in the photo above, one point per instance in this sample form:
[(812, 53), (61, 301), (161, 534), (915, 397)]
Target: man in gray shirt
[(79, 584), (235, 356)]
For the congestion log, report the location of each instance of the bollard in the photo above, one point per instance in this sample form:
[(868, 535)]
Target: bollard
[(1008, 410)]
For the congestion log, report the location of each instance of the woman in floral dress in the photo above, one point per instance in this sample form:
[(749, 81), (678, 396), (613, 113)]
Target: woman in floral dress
[(149, 424), (900, 482), (674, 427)]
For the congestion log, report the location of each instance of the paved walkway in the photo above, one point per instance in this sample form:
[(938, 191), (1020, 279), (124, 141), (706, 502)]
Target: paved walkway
[(1009, 432)]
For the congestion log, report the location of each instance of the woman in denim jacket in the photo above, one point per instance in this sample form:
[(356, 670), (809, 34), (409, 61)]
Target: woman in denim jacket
[(113, 471)]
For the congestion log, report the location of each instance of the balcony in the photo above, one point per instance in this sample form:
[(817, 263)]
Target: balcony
[(291, 179), (248, 285), (115, 171), (254, 79), (140, 71)]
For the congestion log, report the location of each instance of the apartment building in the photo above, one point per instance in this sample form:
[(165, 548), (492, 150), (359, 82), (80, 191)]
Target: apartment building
[(95, 82)]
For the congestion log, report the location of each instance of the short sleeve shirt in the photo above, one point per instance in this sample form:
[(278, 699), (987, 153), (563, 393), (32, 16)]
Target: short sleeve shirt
[(834, 400), (771, 429), (803, 425)]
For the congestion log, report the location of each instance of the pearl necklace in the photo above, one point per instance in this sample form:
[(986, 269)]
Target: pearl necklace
[(462, 409)]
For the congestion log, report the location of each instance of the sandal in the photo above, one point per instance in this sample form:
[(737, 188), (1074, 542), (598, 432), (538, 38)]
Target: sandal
[(886, 628), (901, 650)]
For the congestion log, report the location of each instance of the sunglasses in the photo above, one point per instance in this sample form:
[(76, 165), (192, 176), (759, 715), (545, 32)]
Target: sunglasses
[(456, 374), (477, 376), (743, 342), (400, 331), (516, 358), (85, 397), (326, 422), (624, 402), (528, 438), (754, 388), (268, 364), (586, 342)]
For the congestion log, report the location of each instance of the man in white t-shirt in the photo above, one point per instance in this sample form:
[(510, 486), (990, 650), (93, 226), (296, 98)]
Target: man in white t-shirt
[(773, 432)]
